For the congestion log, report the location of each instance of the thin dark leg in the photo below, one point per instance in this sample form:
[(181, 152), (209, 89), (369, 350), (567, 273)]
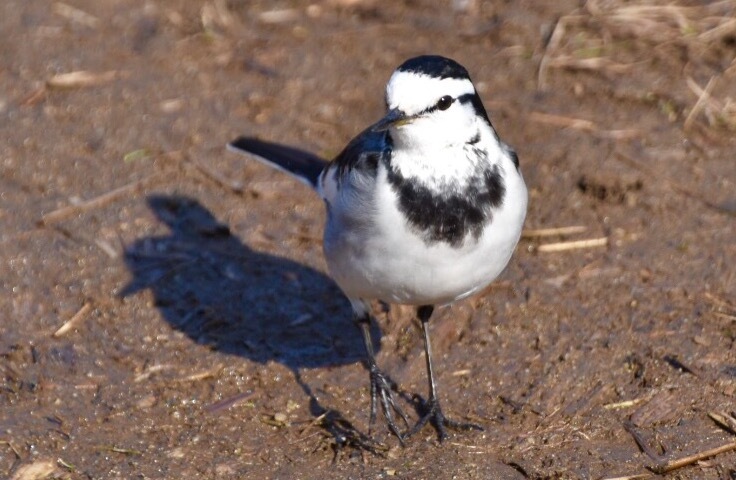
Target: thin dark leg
[(381, 385), (425, 313), (433, 412)]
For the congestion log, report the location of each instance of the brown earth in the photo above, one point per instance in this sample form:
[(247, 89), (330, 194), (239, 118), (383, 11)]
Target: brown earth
[(200, 336)]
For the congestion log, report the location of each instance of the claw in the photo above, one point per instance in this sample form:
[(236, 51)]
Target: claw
[(433, 413), (381, 387), (381, 384)]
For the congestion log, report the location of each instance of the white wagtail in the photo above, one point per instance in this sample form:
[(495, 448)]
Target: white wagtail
[(424, 207)]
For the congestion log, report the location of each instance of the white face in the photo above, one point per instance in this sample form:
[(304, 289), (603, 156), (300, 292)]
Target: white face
[(414, 93)]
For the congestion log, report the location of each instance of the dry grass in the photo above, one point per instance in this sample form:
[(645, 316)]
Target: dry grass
[(603, 36), (660, 22), (718, 112)]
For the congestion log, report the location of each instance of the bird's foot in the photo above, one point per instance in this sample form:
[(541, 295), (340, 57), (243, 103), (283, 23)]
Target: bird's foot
[(382, 390), (432, 413)]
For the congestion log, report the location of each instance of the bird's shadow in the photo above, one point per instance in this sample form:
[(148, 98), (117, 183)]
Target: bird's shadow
[(219, 292)]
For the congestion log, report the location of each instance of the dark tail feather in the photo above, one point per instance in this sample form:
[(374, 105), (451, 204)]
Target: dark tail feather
[(303, 165)]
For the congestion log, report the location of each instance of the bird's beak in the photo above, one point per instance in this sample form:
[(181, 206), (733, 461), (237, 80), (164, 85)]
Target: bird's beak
[(394, 118)]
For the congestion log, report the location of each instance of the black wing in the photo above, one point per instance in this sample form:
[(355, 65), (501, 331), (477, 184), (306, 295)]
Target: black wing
[(301, 164), (363, 152)]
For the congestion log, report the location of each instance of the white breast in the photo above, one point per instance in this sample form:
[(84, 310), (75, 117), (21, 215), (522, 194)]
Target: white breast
[(377, 255)]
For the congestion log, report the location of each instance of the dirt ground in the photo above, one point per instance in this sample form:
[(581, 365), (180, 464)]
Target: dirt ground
[(166, 310)]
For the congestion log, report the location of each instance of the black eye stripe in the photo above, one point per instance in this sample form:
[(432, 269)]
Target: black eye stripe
[(467, 98), (438, 106), (474, 100)]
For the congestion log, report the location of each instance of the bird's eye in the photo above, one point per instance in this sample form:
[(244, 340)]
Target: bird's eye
[(445, 102)]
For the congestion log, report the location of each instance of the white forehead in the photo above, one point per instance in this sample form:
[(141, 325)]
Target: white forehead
[(413, 92)]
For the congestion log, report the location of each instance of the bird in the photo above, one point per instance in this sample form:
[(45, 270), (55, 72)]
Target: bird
[(424, 208)]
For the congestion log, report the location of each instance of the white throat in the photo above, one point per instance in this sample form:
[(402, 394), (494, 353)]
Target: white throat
[(438, 147), (448, 158)]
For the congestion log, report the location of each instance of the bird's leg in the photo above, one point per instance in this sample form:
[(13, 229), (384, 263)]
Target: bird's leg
[(432, 411), (381, 384)]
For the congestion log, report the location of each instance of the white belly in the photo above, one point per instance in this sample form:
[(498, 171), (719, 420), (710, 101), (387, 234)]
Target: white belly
[(385, 259)]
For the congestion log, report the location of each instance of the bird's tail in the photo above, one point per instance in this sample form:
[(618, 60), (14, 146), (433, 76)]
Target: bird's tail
[(303, 165)]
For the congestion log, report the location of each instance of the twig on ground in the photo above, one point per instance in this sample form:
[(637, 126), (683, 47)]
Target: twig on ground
[(637, 476), (583, 125), (720, 302), (561, 121), (593, 63), (573, 245), (718, 112), (558, 31), (664, 466), (81, 78), (722, 308), (34, 97), (76, 15), (703, 98), (107, 248), (98, 201), (81, 313), (719, 32), (624, 404), (690, 459), (217, 177), (124, 451), (63, 463), (201, 375), (724, 421), (229, 402), (150, 371), (555, 39)]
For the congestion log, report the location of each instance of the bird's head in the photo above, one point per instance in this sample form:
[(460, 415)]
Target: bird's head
[(432, 103)]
